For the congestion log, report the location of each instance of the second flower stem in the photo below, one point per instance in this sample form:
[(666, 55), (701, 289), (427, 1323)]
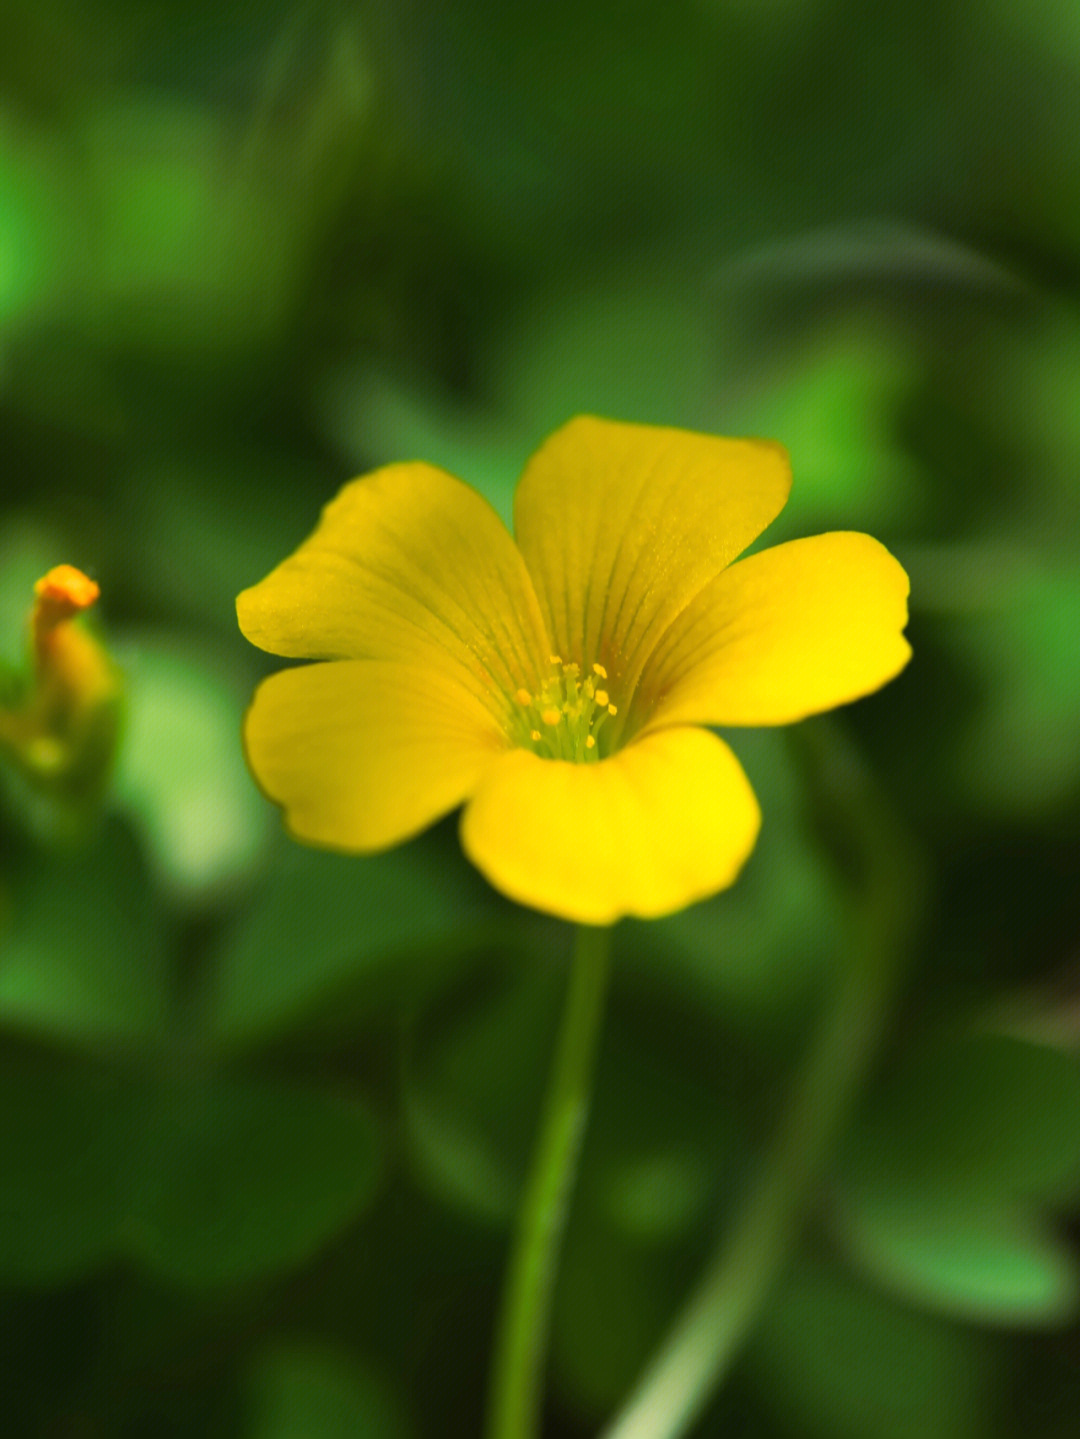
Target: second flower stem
[(521, 1338), (734, 1288), (721, 1313)]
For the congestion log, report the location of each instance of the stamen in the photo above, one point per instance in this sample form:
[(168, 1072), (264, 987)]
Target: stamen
[(563, 719)]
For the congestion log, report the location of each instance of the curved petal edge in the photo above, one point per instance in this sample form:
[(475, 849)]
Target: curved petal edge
[(669, 820), (783, 634), (362, 755)]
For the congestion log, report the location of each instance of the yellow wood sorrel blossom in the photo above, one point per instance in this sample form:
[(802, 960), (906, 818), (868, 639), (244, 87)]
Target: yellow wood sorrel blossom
[(557, 683)]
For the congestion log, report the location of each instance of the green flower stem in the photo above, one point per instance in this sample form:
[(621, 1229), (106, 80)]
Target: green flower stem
[(521, 1338), (720, 1314)]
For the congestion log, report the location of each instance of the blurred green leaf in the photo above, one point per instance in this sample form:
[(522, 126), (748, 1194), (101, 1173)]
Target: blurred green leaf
[(1056, 28), (1032, 62), (51, 56), (33, 266), (237, 1178), (631, 343), (988, 1109), (181, 772), (188, 253), (299, 1391), (206, 1182), (837, 1361), (1030, 397), (945, 1182), (1005, 597), (309, 126), (835, 403), (65, 1134), (589, 113), (83, 957), (1026, 651), (970, 1255), (326, 927)]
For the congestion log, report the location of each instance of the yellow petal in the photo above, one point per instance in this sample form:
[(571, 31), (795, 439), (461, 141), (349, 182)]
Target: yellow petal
[(663, 823), (621, 525), (783, 634), (363, 754), (407, 564)]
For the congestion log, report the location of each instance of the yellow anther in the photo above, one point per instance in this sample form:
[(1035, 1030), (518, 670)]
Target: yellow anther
[(564, 717), (555, 659)]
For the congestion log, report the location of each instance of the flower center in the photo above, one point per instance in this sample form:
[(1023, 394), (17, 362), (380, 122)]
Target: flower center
[(564, 719)]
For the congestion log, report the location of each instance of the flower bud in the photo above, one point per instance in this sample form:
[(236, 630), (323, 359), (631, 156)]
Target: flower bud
[(63, 728)]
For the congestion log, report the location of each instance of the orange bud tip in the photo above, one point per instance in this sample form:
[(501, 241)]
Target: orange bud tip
[(66, 590)]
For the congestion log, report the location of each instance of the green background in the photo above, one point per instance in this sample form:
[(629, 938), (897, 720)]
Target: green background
[(264, 1112)]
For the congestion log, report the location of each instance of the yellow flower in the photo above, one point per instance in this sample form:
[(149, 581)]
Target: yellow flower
[(558, 686)]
